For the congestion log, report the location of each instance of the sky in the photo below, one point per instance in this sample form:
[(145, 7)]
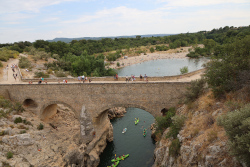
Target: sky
[(30, 20)]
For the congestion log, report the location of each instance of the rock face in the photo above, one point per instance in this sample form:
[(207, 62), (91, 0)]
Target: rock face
[(116, 112), (59, 143), (202, 142)]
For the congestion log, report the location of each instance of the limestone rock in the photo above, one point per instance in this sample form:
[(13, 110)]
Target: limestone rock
[(20, 140)]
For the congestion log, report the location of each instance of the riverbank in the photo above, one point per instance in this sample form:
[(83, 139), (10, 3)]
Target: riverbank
[(179, 53)]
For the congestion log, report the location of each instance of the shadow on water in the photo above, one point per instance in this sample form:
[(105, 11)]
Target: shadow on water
[(140, 148)]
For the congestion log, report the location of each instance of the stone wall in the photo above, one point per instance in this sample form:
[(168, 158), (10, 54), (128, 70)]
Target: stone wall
[(88, 101)]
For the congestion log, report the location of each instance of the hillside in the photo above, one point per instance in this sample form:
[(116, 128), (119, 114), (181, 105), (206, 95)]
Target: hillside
[(68, 40)]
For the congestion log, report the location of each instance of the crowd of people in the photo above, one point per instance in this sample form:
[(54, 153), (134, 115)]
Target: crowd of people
[(14, 70)]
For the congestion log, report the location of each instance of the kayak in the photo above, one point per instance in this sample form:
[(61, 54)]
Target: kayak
[(120, 158), (144, 132), (124, 130), (136, 121), (115, 164)]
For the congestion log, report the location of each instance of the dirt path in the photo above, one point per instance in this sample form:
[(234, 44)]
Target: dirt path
[(8, 77)]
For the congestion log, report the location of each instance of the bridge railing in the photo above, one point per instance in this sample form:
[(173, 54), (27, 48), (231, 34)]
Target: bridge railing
[(111, 78)]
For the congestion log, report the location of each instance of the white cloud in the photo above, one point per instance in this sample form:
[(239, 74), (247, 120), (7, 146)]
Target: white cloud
[(13, 6), (188, 3)]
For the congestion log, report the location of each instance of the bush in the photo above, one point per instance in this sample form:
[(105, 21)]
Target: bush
[(41, 74), (165, 121), (184, 70), (174, 148), (236, 125), (18, 120), (152, 50), (5, 103), (61, 74), (195, 90), (22, 131), (1, 64), (9, 155), (18, 107), (224, 73), (118, 64), (40, 126), (24, 62), (177, 123)]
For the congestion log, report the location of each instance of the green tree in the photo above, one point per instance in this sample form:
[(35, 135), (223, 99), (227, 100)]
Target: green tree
[(236, 124), (152, 50)]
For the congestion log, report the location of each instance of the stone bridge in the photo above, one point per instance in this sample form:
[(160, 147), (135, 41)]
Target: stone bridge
[(90, 101)]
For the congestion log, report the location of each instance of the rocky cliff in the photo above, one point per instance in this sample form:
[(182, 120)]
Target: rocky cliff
[(201, 142), (52, 142)]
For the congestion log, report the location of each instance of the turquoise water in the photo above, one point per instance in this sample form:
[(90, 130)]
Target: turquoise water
[(162, 67), (139, 148)]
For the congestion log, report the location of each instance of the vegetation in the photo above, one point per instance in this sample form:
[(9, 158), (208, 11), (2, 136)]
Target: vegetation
[(9, 155), (229, 70), (236, 124), (196, 89), (87, 56), (41, 74), (24, 62), (174, 148), (40, 126), (18, 120), (165, 121), (177, 123), (6, 54), (184, 70)]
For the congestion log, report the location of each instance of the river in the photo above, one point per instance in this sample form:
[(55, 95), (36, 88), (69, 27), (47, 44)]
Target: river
[(162, 67), (139, 148)]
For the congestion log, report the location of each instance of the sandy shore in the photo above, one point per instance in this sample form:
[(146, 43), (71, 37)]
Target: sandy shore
[(179, 53)]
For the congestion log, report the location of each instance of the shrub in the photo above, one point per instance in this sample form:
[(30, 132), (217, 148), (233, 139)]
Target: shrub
[(184, 70), (1, 64), (18, 120), (236, 125), (174, 148), (22, 131), (24, 62), (118, 64), (40, 126), (165, 121), (9, 155), (195, 90), (2, 133), (224, 73), (152, 50), (18, 107), (61, 74), (41, 74), (3, 113), (5, 103), (177, 123)]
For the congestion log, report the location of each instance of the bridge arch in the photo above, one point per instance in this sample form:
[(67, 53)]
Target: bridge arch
[(30, 103), (127, 106), (49, 109)]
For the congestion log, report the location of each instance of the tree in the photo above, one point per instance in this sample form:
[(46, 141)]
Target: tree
[(152, 50)]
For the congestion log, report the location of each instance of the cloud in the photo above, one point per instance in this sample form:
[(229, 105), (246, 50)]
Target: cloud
[(193, 3), (33, 6)]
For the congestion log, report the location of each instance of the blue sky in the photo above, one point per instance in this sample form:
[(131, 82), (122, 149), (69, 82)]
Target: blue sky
[(30, 20)]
